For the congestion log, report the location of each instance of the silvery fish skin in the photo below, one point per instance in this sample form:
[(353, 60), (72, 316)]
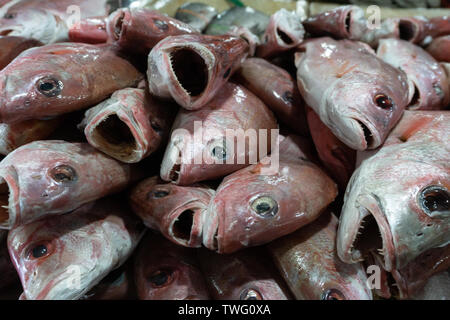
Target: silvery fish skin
[(401, 193), (429, 78), (18, 134), (308, 262), (247, 17), (127, 27), (252, 207), (439, 48), (13, 46), (166, 271), (280, 94), (54, 177), (284, 32), (7, 270), (336, 157), (197, 15), (89, 30), (213, 60), (242, 276), (197, 150), (130, 125), (55, 79), (356, 94), (175, 211), (49, 255), (47, 21)]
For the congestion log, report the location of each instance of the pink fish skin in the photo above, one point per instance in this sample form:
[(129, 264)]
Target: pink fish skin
[(213, 59), (87, 244), (439, 48), (308, 262), (126, 27), (130, 125), (89, 30), (337, 23), (13, 46), (284, 32), (280, 94), (242, 276), (337, 158), (54, 177), (398, 199), (356, 94), (56, 79), (233, 108), (251, 208), (175, 211), (9, 274), (428, 77), (165, 271), (18, 134)]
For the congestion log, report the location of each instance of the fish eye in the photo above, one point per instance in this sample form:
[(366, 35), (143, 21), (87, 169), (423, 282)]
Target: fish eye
[(250, 294), (333, 294), (219, 152), (63, 173), (49, 86), (161, 278), (161, 25), (38, 251), (10, 15), (434, 199), (384, 102), (157, 127), (265, 206), (158, 194)]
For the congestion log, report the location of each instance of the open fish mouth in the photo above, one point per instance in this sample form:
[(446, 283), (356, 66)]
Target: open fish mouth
[(407, 30), (120, 24), (115, 136), (186, 225), (9, 198), (172, 163), (189, 81), (370, 235), (368, 137)]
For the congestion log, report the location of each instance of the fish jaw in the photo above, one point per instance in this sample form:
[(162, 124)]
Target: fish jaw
[(168, 64), (353, 240), (173, 166), (187, 218), (10, 213)]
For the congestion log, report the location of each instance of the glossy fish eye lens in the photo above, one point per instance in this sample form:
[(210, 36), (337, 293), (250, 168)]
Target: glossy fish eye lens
[(265, 206), (160, 278), (158, 194), (49, 87), (162, 25), (250, 294), (219, 153), (333, 294), (38, 251), (383, 101), (63, 173), (10, 15), (435, 199)]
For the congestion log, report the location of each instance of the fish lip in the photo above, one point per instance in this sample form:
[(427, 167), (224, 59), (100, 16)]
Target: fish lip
[(172, 165), (369, 137), (9, 176), (211, 228), (178, 92), (97, 140), (369, 205), (195, 237)]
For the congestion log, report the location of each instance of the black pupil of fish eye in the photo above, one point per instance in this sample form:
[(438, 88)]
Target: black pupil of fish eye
[(10, 16), (436, 199), (64, 173), (219, 153), (39, 251), (383, 101), (159, 278), (47, 86), (263, 207), (160, 194), (333, 294)]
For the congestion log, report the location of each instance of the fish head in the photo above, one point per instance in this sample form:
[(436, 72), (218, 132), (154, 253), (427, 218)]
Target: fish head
[(38, 79), (164, 271), (38, 176), (396, 208), (54, 260), (34, 23), (175, 211), (361, 109)]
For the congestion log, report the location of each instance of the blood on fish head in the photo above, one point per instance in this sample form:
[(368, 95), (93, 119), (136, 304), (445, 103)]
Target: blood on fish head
[(396, 208), (370, 111), (35, 23)]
